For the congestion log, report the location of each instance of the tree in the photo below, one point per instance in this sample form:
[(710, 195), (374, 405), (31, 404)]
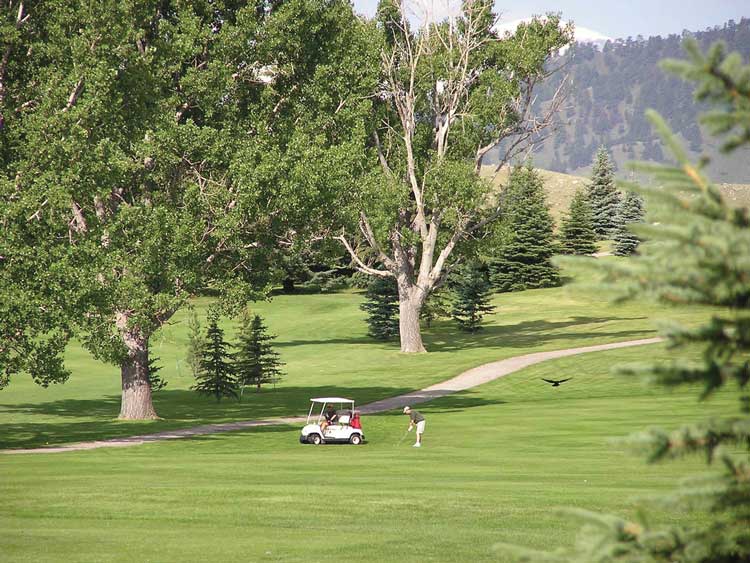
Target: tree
[(631, 211), (450, 92), (693, 229), (523, 260), (150, 151), (437, 305), (216, 375), (256, 362), (471, 288), (381, 306), (577, 234), (603, 195), (195, 342)]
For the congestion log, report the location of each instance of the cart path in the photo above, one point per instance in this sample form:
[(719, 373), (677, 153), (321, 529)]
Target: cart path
[(466, 380)]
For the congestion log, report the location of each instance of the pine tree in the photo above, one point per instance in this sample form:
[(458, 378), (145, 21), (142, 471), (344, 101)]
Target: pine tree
[(381, 305), (256, 362), (631, 211), (196, 342), (700, 255), (523, 259), (603, 195), (436, 306), (216, 373), (577, 235), (471, 287)]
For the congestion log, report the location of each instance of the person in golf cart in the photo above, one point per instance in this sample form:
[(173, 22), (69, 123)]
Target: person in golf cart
[(331, 417)]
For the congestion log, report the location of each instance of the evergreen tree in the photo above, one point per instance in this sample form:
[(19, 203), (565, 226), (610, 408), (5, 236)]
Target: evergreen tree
[(471, 287), (154, 380), (255, 361), (603, 195), (577, 235), (523, 259), (631, 211), (381, 306), (216, 374), (699, 256), (437, 305), (196, 343)]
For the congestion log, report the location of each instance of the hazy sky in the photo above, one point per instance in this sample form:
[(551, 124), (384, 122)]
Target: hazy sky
[(619, 18)]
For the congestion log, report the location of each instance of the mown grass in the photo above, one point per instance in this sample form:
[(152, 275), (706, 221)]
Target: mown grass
[(323, 340), (497, 462)]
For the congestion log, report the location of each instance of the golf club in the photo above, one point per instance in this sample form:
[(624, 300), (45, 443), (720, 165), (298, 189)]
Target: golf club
[(402, 438)]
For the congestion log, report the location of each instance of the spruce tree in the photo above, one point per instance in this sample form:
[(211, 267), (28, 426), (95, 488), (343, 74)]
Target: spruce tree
[(437, 305), (631, 211), (471, 287), (381, 306), (195, 344), (523, 259), (216, 373), (577, 235), (700, 255), (603, 195), (256, 362)]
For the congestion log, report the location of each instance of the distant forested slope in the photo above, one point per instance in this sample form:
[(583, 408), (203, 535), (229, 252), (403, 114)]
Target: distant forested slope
[(611, 88)]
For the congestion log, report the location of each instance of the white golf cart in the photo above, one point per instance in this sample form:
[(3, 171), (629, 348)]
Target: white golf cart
[(346, 429)]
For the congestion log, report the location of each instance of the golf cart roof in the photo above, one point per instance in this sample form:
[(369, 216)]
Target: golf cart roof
[(331, 400)]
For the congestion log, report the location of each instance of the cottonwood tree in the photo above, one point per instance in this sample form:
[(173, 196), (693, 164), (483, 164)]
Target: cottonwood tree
[(451, 92), (150, 149)]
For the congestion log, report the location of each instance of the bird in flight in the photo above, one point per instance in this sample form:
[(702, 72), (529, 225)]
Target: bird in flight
[(556, 383)]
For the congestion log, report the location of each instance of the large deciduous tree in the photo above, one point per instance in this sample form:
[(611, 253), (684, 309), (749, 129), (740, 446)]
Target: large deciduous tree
[(450, 93), (151, 148)]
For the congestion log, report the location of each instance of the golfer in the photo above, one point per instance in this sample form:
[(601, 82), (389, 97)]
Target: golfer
[(416, 419)]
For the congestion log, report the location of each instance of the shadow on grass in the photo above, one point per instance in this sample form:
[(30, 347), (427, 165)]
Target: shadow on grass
[(528, 334), (179, 409)]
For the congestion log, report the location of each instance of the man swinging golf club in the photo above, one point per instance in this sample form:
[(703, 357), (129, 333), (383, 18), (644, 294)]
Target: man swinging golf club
[(415, 419)]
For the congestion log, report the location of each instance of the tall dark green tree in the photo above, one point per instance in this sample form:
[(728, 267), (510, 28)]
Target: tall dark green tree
[(603, 195), (151, 149), (471, 295), (523, 260), (381, 306), (196, 340), (700, 255), (216, 374), (577, 234), (256, 363), (631, 211), (156, 381)]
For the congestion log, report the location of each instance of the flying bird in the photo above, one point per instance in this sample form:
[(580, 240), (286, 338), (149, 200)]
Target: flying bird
[(556, 383)]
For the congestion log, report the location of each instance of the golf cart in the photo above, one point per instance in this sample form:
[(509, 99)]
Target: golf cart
[(345, 429)]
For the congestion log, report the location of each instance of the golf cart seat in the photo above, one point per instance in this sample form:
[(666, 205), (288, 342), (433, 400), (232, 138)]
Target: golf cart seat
[(344, 419)]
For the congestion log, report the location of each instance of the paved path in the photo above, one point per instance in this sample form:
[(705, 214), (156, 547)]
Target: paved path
[(468, 379)]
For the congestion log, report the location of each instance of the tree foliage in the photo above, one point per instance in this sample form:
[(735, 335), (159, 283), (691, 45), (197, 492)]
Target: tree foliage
[(256, 363), (523, 260), (577, 234), (698, 253), (631, 211), (603, 195), (216, 375), (471, 295), (381, 306), (151, 149)]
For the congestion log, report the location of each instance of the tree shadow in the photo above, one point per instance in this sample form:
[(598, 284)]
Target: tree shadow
[(528, 334), (181, 409)]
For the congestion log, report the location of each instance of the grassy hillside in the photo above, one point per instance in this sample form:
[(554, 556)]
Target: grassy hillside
[(562, 187)]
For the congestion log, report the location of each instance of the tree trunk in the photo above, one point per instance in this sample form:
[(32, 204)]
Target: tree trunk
[(409, 307), (136, 391)]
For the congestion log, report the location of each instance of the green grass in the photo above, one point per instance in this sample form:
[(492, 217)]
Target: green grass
[(497, 461), (322, 339)]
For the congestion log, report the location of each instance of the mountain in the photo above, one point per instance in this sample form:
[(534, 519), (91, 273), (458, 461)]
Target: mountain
[(611, 87), (582, 34)]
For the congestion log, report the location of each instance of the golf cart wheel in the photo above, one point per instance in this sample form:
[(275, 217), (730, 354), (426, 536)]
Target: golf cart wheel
[(315, 439), (355, 439)]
